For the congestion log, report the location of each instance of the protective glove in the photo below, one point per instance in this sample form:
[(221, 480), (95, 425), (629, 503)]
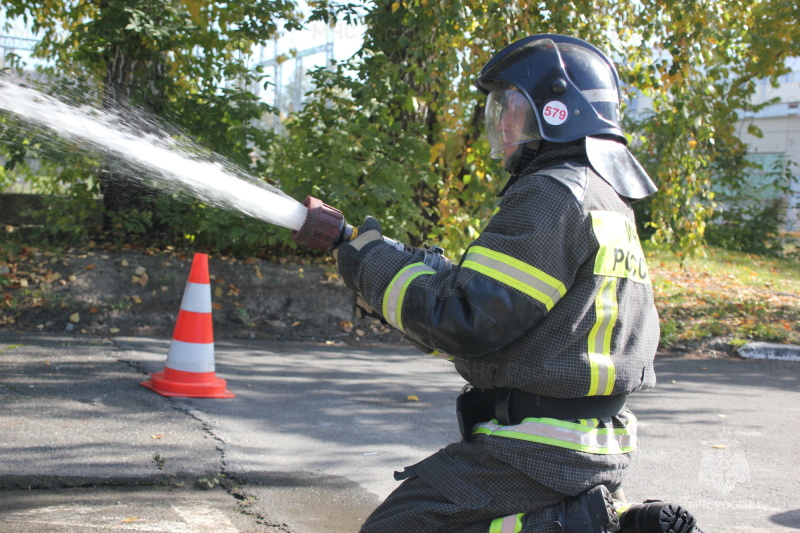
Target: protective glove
[(433, 257), (349, 255), (362, 309)]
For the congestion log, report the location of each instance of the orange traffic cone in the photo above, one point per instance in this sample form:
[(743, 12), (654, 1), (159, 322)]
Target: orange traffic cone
[(189, 370)]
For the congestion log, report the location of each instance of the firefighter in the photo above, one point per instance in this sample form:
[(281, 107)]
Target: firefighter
[(549, 315)]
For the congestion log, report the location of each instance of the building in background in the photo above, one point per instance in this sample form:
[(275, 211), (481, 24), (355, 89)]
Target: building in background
[(779, 147)]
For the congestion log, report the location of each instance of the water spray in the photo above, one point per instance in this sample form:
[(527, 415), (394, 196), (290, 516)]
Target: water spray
[(314, 224)]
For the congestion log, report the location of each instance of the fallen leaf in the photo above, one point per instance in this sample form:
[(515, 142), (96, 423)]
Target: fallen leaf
[(412, 398), (94, 310), (218, 291), (136, 299), (143, 279), (134, 279), (91, 266), (124, 263), (346, 326), (75, 317), (216, 305), (140, 270), (129, 519), (296, 323), (259, 275), (719, 446), (157, 436)]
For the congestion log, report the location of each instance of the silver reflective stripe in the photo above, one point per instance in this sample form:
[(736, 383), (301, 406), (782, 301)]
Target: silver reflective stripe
[(396, 291), (601, 95), (197, 298), (190, 357), (517, 274), (603, 373), (509, 524), (604, 441)]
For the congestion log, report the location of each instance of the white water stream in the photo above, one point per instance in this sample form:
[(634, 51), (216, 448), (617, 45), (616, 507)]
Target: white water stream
[(163, 163)]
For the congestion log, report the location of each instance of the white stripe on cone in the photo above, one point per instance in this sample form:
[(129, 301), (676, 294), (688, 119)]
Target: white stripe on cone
[(190, 357), (197, 298)]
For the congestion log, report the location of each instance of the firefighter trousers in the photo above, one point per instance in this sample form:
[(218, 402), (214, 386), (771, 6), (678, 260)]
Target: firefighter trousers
[(465, 489)]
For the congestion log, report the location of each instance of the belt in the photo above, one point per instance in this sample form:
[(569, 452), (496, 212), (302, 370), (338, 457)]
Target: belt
[(512, 406)]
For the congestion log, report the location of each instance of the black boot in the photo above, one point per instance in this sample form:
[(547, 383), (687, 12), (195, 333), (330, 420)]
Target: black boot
[(655, 516), (589, 512)]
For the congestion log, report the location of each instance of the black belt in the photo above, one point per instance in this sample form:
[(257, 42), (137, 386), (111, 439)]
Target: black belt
[(512, 406)]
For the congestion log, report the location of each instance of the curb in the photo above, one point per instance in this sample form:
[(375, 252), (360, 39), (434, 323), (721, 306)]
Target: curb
[(769, 350)]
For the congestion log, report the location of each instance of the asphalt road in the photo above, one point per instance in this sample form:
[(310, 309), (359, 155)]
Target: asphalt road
[(314, 434)]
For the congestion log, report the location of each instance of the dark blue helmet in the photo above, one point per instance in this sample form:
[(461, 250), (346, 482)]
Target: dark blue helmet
[(571, 85)]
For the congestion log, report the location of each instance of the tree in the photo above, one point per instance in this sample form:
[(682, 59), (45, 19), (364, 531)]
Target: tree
[(700, 63), (171, 58), (397, 130)]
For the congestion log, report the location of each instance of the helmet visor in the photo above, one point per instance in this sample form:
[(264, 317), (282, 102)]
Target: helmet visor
[(510, 121)]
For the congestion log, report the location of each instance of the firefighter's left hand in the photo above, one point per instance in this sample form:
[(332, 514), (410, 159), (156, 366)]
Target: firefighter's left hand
[(362, 309), (349, 255)]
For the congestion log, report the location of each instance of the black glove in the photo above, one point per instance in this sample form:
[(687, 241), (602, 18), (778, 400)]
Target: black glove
[(349, 255), (362, 309), (433, 257)]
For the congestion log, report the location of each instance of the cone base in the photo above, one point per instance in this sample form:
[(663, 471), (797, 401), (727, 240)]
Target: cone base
[(214, 388)]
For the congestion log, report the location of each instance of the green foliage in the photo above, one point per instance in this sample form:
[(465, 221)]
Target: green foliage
[(709, 57), (753, 212), (187, 62), (396, 131)]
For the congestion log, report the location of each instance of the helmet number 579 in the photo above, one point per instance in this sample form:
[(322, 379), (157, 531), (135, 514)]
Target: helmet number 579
[(555, 113)]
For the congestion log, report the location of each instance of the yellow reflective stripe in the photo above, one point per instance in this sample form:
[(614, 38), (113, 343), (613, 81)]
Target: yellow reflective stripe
[(440, 355), (507, 524), (620, 253), (396, 291), (621, 508), (514, 273), (600, 441), (603, 372)]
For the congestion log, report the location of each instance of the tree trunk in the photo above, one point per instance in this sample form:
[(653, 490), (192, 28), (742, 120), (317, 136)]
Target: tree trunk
[(123, 192)]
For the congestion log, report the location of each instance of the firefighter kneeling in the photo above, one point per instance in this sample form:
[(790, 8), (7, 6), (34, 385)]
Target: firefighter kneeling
[(540, 316)]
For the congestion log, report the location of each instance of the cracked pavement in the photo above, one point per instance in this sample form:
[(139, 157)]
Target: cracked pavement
[(315, 432)]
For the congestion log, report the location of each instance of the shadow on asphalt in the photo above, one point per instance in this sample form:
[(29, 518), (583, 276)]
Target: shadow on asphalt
[(787, 519)]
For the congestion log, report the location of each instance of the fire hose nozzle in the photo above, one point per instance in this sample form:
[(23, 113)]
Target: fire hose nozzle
[(324, 227)]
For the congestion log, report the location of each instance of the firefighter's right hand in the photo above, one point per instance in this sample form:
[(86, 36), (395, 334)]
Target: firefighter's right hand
[(349, 255)]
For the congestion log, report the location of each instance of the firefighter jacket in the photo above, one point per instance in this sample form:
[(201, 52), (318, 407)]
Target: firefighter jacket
[(554, 298)]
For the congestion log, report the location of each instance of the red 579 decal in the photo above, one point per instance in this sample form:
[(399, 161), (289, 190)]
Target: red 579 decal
[(555, 113)]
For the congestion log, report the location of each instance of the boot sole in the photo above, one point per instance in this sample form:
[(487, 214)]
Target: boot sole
[(670, 518), (602, 508)]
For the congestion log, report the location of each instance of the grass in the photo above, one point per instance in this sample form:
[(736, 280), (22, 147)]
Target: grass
[(736, 296)]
